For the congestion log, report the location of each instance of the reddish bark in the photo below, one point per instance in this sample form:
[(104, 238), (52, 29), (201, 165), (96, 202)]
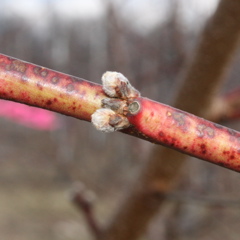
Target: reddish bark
[(155, 122), (200, 83), (38, 86), (187, 133)]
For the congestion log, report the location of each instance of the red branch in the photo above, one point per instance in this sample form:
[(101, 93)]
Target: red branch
[(38, 86), (187, 133), (155, 122)]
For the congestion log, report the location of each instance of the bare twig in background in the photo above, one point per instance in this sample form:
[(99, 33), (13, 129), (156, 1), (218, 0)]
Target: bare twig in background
[(83, 200), (201, 82), (117, 52), (226, 107)]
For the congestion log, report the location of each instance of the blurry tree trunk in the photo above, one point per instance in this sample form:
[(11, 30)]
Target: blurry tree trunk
[(201, 81), (115, 41)]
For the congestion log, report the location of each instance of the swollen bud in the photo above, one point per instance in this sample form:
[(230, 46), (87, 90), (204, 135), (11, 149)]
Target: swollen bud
[(117, 85), (112, 116), (106, 120)]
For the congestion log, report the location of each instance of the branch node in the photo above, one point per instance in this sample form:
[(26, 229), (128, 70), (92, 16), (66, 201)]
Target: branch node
[(117, 105), (106, 120), (117, 85), (112, 116), (134, 107)]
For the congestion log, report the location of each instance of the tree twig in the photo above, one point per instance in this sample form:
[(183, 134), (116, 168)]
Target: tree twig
[(83, 200), (152, 121), (226, 107)]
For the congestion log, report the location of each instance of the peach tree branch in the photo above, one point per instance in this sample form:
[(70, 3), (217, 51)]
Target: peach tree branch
[(200, 81), (126, 110)]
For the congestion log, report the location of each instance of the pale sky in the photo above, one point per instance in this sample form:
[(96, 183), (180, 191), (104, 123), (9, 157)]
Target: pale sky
[(142, 14)]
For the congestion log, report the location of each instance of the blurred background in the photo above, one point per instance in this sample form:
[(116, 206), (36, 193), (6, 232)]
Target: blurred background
[(149, 41)]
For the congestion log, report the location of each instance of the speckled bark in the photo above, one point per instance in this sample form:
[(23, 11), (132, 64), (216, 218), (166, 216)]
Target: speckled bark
[(155, 122), (38, 86), (187, 133), (201, 80)]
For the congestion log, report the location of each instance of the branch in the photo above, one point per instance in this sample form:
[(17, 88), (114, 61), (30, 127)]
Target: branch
[(38, 86), (149, 120), (83, 200), (201, 81)]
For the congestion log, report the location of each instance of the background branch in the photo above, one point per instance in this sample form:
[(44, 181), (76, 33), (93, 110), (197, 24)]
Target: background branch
[(83, 200)]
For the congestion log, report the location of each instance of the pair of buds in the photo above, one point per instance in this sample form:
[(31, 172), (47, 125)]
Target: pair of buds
[(112, 116)]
